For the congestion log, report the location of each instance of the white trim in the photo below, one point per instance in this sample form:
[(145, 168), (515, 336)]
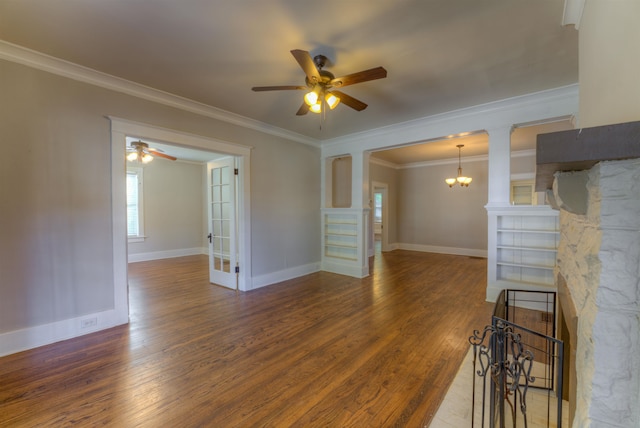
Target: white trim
[(443, 250), (523, 153), (539, 106), (33, 337), (349, 269), (384, 163), (122, 128), (168, 254), (384, 244), (523, 176), (139, 174), (572, 13), (449, 161), (284, 275), (40, 61)]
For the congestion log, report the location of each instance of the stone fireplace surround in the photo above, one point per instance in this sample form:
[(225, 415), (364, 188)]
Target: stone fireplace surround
[(598, 266)]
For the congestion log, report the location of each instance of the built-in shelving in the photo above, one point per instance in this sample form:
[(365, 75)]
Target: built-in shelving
[(344, 241), (341, 236), (522, 248)]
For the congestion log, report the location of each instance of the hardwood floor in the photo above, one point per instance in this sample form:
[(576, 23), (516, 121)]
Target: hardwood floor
[(323, 350)]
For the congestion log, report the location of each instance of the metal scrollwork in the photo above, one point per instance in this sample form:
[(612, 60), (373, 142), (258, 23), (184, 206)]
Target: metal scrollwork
[(499, 353)]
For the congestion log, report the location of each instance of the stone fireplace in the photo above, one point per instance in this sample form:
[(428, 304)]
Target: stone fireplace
[(593, 177)]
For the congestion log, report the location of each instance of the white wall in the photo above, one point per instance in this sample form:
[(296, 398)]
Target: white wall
[(174, 210)]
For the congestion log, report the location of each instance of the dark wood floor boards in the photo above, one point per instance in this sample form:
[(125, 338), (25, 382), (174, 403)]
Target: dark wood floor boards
[(322, 350)]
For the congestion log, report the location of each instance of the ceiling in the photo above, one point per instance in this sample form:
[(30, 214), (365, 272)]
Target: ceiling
[(440, 55)]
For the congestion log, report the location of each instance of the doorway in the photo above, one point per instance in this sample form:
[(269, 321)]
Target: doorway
[(380, 198), (120, 130)]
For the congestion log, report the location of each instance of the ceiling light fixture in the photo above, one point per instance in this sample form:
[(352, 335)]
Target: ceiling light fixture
[(142, 153), (461, 179), (332, 100), (139, 155), (314, 99)]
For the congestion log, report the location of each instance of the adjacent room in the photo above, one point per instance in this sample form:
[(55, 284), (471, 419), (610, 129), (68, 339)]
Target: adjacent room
[(281, 213)]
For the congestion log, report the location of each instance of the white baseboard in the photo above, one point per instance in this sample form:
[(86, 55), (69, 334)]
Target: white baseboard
[(33, 337), (335, 266), (168, 254), (283, 275), (443, 250)]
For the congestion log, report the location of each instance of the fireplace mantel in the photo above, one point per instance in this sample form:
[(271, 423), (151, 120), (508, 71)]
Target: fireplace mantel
[(580, 149)]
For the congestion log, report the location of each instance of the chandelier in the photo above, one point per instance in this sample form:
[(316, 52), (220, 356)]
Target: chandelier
[(460, 179)]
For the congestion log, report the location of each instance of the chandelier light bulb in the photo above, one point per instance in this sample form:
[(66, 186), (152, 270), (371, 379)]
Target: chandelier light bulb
[(332, 100), (317, 107)]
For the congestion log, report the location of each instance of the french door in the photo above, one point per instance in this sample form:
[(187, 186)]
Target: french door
[(221, 199)]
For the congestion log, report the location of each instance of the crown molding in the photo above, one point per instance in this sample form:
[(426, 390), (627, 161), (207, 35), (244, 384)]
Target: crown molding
[(50, 64), (541, 106), (384, 163), (450, 161)]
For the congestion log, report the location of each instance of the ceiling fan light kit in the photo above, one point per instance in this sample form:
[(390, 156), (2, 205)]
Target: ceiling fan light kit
[(320, 84), (460, 179), (140, 152)]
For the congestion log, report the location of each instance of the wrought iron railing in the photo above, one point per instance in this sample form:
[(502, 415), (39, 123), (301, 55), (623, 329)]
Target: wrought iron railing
[(509, 359)]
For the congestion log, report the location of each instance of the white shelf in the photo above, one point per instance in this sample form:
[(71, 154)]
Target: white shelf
[(530, 266), (520, 248), (537, 231), (341, 236), (341, 233), (525, 247), (329, 244)]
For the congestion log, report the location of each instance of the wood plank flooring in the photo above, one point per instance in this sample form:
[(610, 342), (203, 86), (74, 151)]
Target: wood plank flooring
[(323, 350)]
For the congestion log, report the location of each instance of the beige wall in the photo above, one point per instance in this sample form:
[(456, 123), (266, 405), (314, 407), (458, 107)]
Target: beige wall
[(55, 186), (609, 38), (174, 207), (430, 213)]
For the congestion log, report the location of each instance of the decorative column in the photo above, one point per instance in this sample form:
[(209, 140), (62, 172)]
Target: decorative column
[(499, 166), (498, 199)]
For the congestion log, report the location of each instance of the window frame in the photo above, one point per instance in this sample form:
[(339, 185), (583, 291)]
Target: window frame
[(377, 207), (139, 174)]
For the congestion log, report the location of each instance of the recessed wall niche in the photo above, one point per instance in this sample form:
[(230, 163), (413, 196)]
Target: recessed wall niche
[(341, 169)]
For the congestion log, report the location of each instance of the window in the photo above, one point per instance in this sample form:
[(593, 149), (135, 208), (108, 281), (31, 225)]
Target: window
[(135, 218), (377, 204)]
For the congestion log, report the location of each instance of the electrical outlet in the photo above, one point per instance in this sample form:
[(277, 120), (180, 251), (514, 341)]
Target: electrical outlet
[(89, 322)]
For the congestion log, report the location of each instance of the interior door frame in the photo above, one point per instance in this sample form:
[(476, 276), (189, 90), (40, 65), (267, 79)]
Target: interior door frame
[(379, 187), (122, 128)]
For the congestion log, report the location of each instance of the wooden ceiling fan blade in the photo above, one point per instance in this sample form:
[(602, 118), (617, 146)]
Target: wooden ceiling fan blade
[(350, 101), (162, 155), (359, 77), (304, 109), (277, 88), (307, 65)]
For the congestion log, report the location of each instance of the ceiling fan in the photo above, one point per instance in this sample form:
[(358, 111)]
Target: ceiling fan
[(321, 84), (141, 152)]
